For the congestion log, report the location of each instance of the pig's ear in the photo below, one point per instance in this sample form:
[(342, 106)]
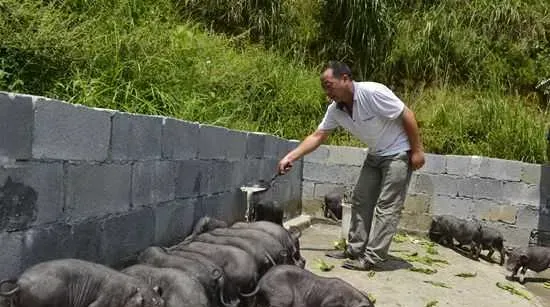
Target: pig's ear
[(295, 232), (523, 259)]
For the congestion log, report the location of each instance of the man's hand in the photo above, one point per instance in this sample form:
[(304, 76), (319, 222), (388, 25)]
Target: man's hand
[(284, 165), (417, 159)]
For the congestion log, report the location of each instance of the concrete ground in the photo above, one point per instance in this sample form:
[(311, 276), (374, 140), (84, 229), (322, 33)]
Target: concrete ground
[(395, 284)]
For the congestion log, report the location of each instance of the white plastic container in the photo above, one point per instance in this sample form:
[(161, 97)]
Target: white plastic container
[(346, 219)]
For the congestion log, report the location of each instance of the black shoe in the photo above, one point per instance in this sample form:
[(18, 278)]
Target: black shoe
[(358, 265), (338, 254)]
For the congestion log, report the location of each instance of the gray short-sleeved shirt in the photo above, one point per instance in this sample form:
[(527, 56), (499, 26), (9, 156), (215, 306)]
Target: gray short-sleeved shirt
[(376, 119)]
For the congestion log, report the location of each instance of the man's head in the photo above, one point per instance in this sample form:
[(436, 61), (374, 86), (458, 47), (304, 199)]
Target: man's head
[(336, 81)]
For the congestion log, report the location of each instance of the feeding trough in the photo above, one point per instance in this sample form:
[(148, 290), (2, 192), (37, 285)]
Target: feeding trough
[(262, 186)]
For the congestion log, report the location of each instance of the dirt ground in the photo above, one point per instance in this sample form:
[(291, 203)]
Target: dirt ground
[(396, 283)]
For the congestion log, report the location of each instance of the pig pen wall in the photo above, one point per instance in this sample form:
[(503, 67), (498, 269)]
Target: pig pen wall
[(510, 195), (101, 185)]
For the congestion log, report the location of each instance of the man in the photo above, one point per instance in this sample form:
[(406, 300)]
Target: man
[(376, 116)]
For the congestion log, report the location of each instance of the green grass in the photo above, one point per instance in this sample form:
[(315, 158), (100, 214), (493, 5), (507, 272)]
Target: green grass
[(470, 89)]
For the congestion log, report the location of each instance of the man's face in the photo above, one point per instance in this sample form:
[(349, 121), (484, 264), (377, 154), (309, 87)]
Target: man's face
[(334, 88)]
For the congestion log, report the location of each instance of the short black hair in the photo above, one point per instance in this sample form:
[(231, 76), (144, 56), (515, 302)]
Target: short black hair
[(338, 68)]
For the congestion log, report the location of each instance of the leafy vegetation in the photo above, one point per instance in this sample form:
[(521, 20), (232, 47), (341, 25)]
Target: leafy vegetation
[(468, 70)]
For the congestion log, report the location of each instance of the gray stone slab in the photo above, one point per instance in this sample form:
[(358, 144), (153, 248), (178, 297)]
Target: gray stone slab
[(528, 217), (283, 148), (174, 221), (444, 185), (153, 182), (215, 177), (435, 164), (271, 146), (344, 174), (458, 165), (97, 189), (308, 189), (531, 173), (189, 177), (319, 155), (322, 189), (459, 207), (347, 155), (521, 193), (85, 238), (491, 210), (11, 256), (488, 189), (180, 139), (16, 125), (121, 238), (47, 242), (70, 132), (32, 195), (213, 142), (255, 144), (235, 145), (501, 169), (253, 169), (136, 137)]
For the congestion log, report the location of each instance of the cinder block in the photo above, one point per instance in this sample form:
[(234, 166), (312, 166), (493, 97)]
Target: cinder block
[(218, 206), (48, 242), (180, 139), (319, 155), (269, 167), (493, 211), (237, 174), (283, 148), (415, 222), (213, 142), (487, 189), (521, 193), (308, 189), (459, 207), (528, 217), (95, 190), (32, 195), (189, 177), (82, 133), (458, 165), (322, 189), (11, 256), (253, 170), (435, 164), (501, 169), (444, 185), (531, 173), (215, 177), (16, 124), (412, 184), (122, 239), (417, 204), (136, 137), (271, 146), (236, 145), (344, 174), (513, 236), (85, 240), (153, 182), (174, 221), (255, 144), (346, 155)]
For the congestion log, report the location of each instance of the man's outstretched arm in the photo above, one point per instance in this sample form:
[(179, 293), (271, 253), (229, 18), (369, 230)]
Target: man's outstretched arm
[(309, 144), (411, 128)]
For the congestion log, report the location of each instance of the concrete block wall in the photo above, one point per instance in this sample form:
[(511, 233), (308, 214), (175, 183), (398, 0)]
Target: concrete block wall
[(101, 185), (509, 195)]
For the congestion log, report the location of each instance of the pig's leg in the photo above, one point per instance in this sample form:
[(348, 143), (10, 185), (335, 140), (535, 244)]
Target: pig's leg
[(522, 275), (515, 270), (501, 251), (490, 254)]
